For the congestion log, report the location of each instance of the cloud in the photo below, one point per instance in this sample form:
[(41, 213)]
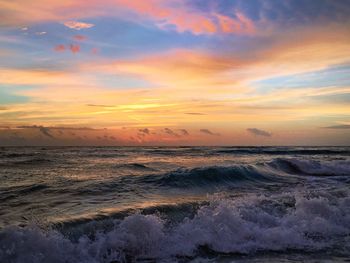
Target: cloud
[(208, 132), (195, 113), (185, 17), (99, 105), (184, 132), (198, 17), (58, 128), (40, 33), (60, 48), (74, 48), (44, 130), (77, 25), (171, 132), (340, 127), (144, 131), (259, 132), (79, 38)]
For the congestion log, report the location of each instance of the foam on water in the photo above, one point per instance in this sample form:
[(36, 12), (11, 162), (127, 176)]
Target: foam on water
[(192, 203), (291, 221)]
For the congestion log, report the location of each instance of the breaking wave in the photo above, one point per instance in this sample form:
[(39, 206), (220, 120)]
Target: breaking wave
[(306, 222), (312, 167)]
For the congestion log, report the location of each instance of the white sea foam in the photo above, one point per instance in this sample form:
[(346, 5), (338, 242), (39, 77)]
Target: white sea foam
[(247, 225)]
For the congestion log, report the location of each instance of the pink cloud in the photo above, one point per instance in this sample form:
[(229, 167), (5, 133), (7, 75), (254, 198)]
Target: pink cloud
[(175, 13), (77, 25), (179, 16), (170, 14), (74, 48), (80, 38), (60, 48), (241, 24)]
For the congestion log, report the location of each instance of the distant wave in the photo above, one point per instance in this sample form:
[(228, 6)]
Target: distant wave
[(27, 161), (15, 191), (135, 166), (253, 224), (311, 167), (214, 175), (285, 151), (276, 171)]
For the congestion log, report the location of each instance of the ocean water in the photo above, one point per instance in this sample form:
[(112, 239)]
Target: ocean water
[(180, 204)]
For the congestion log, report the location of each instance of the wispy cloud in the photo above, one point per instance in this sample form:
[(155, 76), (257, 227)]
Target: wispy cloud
[(77, 25), (208, 132), (340, 127), (99, 105), (195, 113), (259, 132), (58, 128), (79, 38)]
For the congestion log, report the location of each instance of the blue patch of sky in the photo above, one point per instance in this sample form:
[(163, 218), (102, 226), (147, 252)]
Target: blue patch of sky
[(338, 76), (8, 94), (113, 38), (120, 39)]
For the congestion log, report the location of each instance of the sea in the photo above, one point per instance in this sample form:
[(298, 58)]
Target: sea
[(174, 204)]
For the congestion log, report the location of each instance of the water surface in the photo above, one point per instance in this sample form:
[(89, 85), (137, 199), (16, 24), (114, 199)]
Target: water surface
[(181, 204)]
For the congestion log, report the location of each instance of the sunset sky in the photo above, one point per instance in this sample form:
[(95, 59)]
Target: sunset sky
[(175, 72)]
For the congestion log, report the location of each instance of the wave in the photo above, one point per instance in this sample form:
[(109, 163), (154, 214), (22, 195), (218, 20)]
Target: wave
[(15, 191), (276, 173), (279, 170), (28, 161), (286, 151), (135, 166), (219, 175), (249, 225), (311, 167)]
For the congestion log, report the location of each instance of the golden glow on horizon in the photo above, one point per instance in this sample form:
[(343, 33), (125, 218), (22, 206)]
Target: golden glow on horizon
[(181, 94)]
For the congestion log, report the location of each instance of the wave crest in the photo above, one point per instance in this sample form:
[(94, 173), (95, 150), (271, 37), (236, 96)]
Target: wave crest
[(247, 225)]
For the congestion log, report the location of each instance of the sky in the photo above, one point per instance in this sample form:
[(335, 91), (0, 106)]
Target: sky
[(174, 72)]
